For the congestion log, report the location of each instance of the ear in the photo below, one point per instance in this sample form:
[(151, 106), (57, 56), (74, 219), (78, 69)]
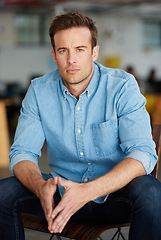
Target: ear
[(95, 52), (54, 56)]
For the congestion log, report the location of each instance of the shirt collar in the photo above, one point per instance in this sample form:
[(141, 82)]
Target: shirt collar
[(63, 87), (91, 87), (94, 81)]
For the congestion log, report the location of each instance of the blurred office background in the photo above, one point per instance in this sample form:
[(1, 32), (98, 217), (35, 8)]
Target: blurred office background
[(129, 35), (129, 38)]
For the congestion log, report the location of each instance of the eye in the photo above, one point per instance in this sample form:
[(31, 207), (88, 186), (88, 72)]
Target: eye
[(61, 51), (80, 49)]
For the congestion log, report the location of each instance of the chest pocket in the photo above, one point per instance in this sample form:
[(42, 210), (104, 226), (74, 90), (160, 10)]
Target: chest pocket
[(105, 138)]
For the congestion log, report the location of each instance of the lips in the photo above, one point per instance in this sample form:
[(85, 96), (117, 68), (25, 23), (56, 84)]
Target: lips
[(72, 70)]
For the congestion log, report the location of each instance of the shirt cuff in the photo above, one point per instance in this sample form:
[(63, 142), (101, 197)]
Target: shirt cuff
[(22, 157), (144, 159)]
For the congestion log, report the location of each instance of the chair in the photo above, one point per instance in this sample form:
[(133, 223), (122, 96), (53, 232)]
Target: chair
[(85, 230)]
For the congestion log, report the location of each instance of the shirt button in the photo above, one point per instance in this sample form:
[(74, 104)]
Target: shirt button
[(78, 108), (79, 131), (81, 153), (86, 179), (89, 95), (89, 163)]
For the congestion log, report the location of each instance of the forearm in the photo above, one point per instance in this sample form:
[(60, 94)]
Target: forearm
[(117, 178), (29, 175)]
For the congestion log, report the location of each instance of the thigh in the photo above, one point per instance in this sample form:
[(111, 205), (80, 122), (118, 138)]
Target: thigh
[(14, 195), (119, 206), (140, 193), (116, 209), (144, 189)]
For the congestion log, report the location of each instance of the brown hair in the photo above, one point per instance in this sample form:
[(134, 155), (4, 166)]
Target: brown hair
[(69, 20)]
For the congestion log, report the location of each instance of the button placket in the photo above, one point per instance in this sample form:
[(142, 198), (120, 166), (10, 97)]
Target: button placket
[(78, 130), (88, 175)]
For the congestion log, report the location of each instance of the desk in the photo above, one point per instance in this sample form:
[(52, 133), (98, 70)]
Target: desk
[(4, 134)]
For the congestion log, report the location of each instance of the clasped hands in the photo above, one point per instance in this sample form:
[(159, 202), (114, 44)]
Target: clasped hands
[(75, 197)]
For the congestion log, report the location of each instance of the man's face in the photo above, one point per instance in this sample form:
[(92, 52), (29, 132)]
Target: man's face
[(74, 55)]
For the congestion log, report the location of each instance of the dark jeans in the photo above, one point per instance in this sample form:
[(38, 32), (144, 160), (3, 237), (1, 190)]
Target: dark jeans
[(138, 202)]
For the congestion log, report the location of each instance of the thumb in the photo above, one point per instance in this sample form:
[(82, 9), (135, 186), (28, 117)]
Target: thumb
[(55, 180), (63, 183), (52, 181)]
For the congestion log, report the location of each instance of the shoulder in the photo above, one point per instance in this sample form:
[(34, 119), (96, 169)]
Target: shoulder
[(47, 79), (113, 73), (115, 78)]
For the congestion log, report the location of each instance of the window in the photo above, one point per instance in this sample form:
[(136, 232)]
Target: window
[(152, 34), (32, 30)]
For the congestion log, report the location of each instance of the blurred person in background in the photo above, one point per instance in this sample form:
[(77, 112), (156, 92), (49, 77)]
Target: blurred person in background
[(130, 69), (152, 77), (153, 83)]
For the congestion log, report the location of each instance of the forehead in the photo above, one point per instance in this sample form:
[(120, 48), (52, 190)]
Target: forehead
[(74, 35)]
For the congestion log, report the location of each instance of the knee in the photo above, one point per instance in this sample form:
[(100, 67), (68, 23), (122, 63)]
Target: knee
[(9, 190), (5, 191), (147, 194)]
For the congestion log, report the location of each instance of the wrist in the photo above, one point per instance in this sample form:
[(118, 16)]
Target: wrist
[(91, 191), (39, 188)]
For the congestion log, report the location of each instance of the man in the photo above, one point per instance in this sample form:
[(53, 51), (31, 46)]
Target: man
[(98, 133)]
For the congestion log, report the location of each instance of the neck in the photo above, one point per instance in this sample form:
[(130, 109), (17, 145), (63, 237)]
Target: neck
[(76, 89)]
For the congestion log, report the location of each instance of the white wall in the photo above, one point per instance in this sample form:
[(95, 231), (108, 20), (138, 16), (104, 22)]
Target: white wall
[(18, 64), (127, 42), (6, 30)]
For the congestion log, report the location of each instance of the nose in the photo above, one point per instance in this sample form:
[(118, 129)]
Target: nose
[(71, 57)]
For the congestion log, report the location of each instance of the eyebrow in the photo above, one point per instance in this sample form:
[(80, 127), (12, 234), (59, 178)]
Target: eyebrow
[(61, 48), (82, 46)]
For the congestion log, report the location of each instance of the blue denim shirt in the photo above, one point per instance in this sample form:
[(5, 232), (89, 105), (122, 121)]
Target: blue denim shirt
[(87, 137)]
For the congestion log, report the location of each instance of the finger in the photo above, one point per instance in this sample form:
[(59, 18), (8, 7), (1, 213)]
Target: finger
[(62, 217), (60, 222), (48, 216), (47, 206), (49, 199), (53, 181), (48, 212), (50, 221), (57, 210), (58, 228), (63, 225)]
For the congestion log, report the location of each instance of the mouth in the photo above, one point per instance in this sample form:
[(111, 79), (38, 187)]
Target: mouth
[(72, 70)]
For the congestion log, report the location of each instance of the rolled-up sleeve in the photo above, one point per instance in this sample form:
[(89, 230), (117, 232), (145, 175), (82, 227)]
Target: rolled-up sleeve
[(134, 126), (29, 136)]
